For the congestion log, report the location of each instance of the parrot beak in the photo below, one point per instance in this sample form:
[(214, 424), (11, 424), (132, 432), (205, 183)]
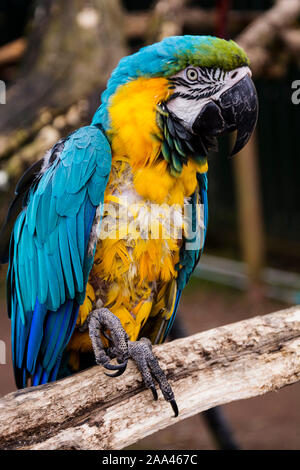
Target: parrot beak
[(235, 110)]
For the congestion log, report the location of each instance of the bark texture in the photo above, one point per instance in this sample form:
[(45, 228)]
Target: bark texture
[(91, 411)]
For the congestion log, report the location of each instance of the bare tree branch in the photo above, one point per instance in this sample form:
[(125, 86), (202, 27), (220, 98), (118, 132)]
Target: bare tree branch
[(197, 20), (12, 51), (261, 33), (291, 39), (261, 30), (166, 19), (92, 411), (72, 49)]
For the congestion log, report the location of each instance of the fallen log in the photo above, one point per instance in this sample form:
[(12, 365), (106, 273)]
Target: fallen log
[(91, 411)]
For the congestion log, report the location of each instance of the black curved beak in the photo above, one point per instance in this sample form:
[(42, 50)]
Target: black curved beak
[(236, 109)]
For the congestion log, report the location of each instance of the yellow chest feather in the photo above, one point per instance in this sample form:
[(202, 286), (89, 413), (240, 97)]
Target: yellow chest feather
[(142, 225)]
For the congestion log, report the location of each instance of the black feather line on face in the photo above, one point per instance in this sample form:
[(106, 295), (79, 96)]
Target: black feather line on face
[(178, 143), (209, 82), (196, 94)]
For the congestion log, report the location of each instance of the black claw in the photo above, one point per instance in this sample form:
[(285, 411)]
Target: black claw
[(118, 373), (154, 393), (118, 367), (119, 361), (174, 407)]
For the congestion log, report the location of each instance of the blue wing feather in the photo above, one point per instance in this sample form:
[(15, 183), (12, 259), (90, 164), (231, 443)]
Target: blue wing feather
[(35, 335), (49, 256), (192, 247), (190, 257), (171, 321)]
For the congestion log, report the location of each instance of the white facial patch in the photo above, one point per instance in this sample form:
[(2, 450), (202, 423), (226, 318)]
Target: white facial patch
[(194, 87)]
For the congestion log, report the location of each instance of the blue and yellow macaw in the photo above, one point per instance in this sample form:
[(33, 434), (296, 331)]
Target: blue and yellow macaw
[(86, 280)]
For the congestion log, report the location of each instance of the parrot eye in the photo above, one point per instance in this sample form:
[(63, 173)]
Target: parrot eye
[(192, 74)]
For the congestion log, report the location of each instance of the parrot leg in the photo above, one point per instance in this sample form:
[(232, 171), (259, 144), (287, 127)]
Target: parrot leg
[(123, 349), (99, 321)]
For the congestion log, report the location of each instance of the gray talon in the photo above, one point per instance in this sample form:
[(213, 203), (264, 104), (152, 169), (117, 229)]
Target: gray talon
[(147, 363), (101, 320)]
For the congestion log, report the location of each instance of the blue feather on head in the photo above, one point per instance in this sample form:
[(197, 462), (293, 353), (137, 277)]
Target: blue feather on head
[(167, 57)]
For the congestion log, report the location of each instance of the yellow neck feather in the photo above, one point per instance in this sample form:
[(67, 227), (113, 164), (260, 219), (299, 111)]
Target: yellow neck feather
[(133, 120), (133, 127)]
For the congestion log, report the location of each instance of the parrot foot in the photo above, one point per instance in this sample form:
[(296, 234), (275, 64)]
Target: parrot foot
[(103, 320), (98, 321), (148, 365)]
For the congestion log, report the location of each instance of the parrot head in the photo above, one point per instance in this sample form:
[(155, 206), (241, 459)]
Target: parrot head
[(208, 92)]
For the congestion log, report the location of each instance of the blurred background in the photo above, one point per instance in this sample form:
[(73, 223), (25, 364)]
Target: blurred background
[(55, 59)]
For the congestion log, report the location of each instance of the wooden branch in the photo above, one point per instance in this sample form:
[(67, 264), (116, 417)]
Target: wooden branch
[(165, 20), (291, 39), (262, 32), (61, 79), (198, 20), (72, 49), (136, 25), (91, 411), (259, 30), (12, 51)]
